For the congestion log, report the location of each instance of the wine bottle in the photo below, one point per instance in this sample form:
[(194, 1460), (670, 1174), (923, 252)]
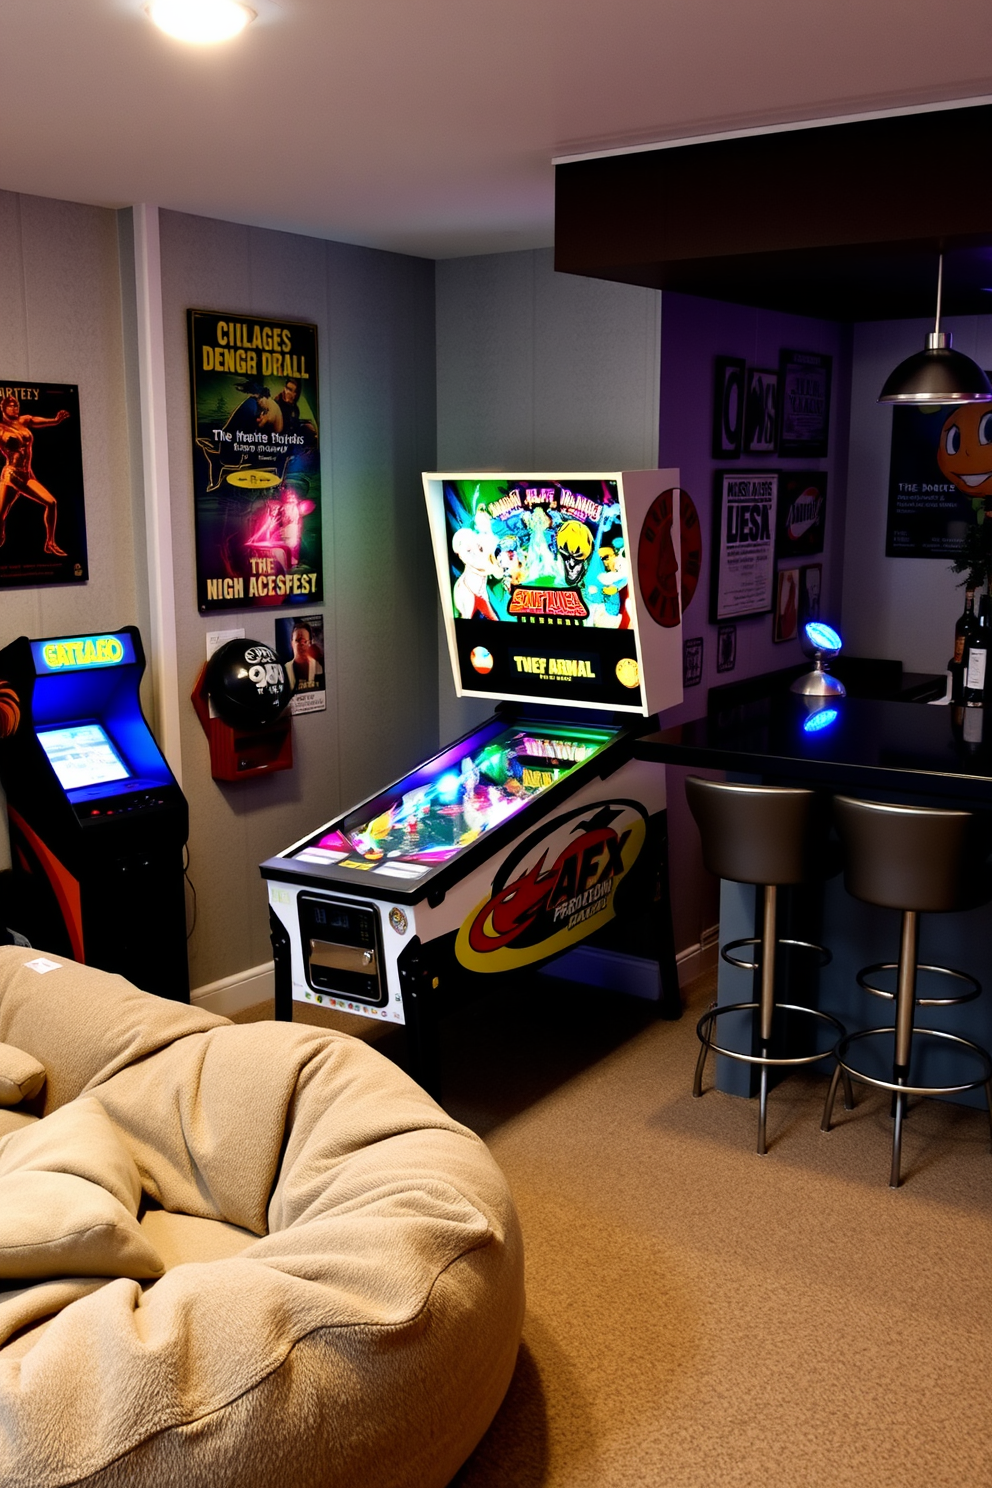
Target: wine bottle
[(975, 659), (962, 630)]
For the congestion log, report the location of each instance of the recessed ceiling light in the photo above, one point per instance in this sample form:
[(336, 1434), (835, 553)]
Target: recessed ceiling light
[(200, 21)]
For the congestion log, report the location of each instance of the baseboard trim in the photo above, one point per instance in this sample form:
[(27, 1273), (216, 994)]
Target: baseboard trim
[(233, 993), (244, 989), (702, 956)]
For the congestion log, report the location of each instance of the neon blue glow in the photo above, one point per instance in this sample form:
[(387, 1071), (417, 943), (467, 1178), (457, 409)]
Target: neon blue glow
[(823, 637), (820, 720), (448, 787)]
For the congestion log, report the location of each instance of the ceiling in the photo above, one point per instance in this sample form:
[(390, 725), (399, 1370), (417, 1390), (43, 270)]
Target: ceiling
[(429, 126)]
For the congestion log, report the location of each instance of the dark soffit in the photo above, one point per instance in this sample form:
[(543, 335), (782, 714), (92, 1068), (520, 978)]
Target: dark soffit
[(843, 221)]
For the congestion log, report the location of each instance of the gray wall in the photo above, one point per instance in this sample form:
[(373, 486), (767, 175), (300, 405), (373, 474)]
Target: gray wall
[(539, 371), (900, 608), (60, 320), (375, 317)]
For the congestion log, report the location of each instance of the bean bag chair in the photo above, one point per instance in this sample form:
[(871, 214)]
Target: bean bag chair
[(235, 1254)]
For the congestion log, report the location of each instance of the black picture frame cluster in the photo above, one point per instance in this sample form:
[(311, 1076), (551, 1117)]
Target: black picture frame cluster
[(782, 411)]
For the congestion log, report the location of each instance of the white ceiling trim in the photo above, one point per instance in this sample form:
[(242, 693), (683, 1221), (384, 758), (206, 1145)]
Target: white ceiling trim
[(681, 141)]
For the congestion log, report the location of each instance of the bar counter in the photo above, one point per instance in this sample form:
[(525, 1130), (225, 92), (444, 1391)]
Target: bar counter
[(906, 748), (878, 749)]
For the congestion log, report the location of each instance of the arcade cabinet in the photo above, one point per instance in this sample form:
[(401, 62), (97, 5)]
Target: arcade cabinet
[(97, 821), (535, 840)]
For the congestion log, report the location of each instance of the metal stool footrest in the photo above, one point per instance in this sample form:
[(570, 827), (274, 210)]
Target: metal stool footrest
[(704, 1031), (948, 971), (902, 1088), (712, 1014), (755, 940)]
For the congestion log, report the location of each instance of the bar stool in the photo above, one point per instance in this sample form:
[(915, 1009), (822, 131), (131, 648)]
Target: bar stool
[(916, 859), (768, 836)]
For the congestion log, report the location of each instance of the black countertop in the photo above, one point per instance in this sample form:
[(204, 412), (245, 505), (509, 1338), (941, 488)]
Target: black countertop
[(905, 747)]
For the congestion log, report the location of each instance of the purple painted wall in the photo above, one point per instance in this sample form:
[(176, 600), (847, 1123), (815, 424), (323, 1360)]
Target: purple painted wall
[(694, 332)]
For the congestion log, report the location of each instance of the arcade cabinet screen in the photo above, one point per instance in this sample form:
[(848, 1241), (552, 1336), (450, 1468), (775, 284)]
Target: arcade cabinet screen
[(82, 755), (540, 590), (428, 817)]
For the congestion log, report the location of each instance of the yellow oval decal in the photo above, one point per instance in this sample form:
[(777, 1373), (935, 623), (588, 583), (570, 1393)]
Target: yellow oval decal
[(253, 480)]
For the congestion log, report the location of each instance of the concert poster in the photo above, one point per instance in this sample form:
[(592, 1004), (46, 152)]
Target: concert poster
[(256, 461), (42, 513)]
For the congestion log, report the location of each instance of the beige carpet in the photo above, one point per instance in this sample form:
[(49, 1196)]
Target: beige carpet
[(704, 1318)]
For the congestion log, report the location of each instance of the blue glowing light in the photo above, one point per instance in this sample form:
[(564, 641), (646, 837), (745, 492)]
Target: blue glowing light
[(448, 787), (823, 637), (819, 720)]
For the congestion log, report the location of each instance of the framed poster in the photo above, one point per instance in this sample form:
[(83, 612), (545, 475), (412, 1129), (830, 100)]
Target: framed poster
[(692, 662), (804, 401), (256, 461), (300, 648), (728, 408), (743, 573), (786, 626), (42, 513), (802, 513), (936, 463), (726, 648), (761, 411)]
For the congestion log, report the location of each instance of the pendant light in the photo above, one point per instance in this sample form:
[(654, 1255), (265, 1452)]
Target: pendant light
[(939, 374)]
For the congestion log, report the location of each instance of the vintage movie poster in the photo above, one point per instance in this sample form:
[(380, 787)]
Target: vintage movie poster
[(42, 517), (744, 538), (932, 487), (256, 461), (300, 648)]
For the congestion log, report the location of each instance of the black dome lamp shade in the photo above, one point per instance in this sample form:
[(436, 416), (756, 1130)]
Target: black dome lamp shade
[(939, 374)]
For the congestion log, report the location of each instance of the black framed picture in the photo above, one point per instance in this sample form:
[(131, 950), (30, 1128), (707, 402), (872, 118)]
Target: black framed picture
[(802, 513), (761, 411), (726, 648), (742, 578), (804, 403), (728, 408), (692, 662)]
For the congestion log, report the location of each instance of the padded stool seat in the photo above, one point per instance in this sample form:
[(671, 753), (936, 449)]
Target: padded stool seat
[(916, 859), (769, 836)]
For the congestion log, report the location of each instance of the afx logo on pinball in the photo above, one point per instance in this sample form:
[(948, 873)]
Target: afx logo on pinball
[(555, 888)]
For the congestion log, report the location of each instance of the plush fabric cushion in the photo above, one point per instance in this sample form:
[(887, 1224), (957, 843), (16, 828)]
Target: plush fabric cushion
[(53, 1224), (366, 1336), (78, 1139), (82, 1024), (69, 1197), (12, 1120), (21, 1077)]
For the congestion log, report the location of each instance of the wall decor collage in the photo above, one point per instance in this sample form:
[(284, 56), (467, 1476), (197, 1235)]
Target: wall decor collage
[(768, 522)]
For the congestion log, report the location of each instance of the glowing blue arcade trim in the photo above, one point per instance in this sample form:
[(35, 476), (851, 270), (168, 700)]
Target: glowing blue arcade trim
[(81, 653), (822, 636), (820, 720)]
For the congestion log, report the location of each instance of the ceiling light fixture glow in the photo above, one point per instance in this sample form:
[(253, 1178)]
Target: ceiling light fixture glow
[(200, 21)]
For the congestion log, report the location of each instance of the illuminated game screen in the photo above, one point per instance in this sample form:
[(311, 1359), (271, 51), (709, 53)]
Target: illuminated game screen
[(539, 575), (431, 815), (82, 755)]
